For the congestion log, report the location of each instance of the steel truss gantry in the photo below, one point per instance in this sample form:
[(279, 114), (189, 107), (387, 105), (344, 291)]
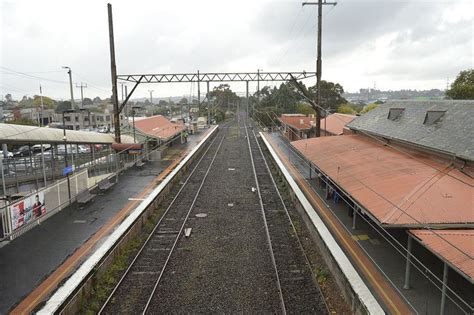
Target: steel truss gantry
[(210, 77)]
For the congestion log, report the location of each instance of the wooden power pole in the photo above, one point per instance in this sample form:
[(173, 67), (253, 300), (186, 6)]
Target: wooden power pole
[(113, 69), (319, 67)]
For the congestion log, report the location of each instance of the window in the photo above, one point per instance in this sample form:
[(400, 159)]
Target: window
[(395, 113), (433, 116)]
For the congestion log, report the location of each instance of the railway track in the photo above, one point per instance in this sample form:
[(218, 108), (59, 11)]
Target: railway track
[(273, 269), (133, 292), (294, 274)]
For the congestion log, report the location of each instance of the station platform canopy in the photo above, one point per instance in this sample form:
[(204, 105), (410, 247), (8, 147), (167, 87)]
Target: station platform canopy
[(394, 188), (19, 134), (456, 247)]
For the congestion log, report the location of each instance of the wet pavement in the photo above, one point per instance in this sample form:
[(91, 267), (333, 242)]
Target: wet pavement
[(26, 261)]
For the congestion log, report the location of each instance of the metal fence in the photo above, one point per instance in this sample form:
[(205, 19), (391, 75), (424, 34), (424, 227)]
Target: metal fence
[(23, 214)]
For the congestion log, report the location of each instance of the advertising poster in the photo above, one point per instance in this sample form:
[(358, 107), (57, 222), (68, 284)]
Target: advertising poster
[(27, 210)]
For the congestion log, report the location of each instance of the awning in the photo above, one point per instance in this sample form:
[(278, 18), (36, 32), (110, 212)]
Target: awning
[(396, 189)]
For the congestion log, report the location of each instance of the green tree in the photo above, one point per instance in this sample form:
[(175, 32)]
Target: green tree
[(223, 97), (47, 102), (463, 87), (331, 95), (347, 109), (368, 108), (62, 106), (306, 109), (87, 101)]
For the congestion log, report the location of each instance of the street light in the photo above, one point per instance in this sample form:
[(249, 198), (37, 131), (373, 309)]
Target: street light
[(133, 119), (69, 71), (65, 153)]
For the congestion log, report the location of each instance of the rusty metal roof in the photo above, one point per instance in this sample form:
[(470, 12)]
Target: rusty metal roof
[(297, 121), (159, 127), (454, 246), (398, 190), (335, 123)]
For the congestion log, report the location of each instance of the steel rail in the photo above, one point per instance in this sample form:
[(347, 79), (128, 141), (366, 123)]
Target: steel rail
[(300, 244), (182, 227), (272, 255), (154, 229)]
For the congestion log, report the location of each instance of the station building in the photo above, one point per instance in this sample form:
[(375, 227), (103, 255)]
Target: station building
[(408, 166)]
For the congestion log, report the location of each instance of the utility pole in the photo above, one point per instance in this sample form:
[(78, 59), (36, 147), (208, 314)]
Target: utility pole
[(151, 96), (208, 106), (319, 61), (247, 96), (113, 70), (41, 112), (69, 71), (82, 86)]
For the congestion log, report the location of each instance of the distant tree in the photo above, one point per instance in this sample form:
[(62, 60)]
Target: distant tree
[(163, 103), (346, 109), (463, 87), (62, 106), (47, 102), (8, 98), (368, 108), (97, 100), (26, 102), (331, 95), (87, 101), (306, 109), (183, 100)]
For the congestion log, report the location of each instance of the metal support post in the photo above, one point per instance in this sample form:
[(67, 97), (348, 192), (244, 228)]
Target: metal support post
[(247, 96), (406, 285), (443, 290), (3, 176), (208, 106), (354, 218), (43, 166), (199, 93)]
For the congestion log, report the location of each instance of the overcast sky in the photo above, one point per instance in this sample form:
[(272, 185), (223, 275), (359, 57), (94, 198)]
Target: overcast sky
[(393, 44)]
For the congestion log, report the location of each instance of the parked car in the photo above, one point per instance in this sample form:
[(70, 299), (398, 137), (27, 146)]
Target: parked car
[(37, 148), (22, 151)]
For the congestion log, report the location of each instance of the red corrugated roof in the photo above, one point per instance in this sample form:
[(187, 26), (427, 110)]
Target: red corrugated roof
[(297, 121), (384, 180), (335, 123), (455, 246), (158, 127)]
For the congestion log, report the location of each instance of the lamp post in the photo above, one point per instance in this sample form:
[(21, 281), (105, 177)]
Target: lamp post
[(133, 120), (69, 71), (65, 154)]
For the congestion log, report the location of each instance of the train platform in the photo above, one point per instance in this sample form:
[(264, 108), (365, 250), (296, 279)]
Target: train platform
[(33, 265), (380, 265)]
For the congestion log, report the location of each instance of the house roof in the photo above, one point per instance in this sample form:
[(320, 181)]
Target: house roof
[(159, 127), (396, 189), (452, 134), (454, 246), (297, 121), (335, 123)]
